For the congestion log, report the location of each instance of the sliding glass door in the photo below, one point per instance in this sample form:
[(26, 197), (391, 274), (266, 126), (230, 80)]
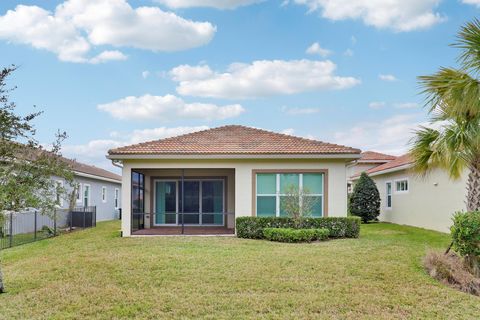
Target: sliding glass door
[(203, 202)]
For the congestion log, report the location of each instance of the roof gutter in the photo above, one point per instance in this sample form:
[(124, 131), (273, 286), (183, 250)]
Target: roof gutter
[(91, 176), (395, 169), (233, 156)]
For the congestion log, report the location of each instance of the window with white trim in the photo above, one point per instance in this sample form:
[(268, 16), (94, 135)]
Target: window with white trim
[(271, 188), (104, 194), (388, 187), (79, 193), (117, 196), (58, 191), (401, 185), (86, 195)]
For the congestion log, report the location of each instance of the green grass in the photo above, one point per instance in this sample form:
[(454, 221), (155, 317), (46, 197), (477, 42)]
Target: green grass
[(96, 274)]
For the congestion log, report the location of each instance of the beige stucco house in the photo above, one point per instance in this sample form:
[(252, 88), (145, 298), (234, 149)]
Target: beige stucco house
[(200, 182), (406, 198)]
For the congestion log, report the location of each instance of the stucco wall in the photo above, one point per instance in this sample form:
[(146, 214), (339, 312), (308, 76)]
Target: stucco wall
[(429, 202), (337, 190)]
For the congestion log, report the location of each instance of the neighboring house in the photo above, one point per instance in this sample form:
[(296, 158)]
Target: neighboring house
[(97, 187), (406, 198), (367, 160), (225, 173)]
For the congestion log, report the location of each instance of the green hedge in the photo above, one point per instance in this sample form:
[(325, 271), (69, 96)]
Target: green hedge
[(338, 227), (295, 235)]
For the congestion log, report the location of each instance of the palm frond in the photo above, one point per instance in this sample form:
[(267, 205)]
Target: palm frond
[(424, 151), (468, 39), (453, 92)]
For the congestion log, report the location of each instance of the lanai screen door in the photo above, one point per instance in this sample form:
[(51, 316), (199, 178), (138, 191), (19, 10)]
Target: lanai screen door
[(204, 202)]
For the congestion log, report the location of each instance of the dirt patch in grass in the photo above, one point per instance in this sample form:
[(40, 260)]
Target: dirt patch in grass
[(451, 270)]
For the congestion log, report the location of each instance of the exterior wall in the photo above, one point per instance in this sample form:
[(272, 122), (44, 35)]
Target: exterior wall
[(429, 202), (243, 183), (105, 209), (152, 174)]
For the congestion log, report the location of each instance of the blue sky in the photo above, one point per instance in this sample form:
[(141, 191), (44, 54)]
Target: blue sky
[(115, 72)]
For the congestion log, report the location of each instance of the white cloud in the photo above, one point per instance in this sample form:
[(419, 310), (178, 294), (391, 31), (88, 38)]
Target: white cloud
[(348, 53), (166, 108), (145, 74), (108, 56), (94, 152), (376, 105), (390, 135), (260, 78), (316, 49), (76, 26), (299, 111), (353, 40), (387, 77), (406, 105), (185, 72), (474, 2), (218, 4), (399, 15), (289, 131)]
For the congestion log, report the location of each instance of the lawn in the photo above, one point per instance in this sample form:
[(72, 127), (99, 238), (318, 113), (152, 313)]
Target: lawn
[(96, 274)]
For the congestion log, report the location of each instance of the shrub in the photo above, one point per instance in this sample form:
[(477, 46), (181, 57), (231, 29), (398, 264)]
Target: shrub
[(466, 238), (338, 227), (450, 270), (365, 199), (295, 235)]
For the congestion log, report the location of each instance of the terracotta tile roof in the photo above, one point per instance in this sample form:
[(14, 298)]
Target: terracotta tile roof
[(92, 170), (398, 162), (372, 156), (234, 140)]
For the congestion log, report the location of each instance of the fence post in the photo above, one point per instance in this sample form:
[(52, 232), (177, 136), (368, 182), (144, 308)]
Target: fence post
[(55, 223), (95, 212), (35, 225), (84, 219), (10, 242)]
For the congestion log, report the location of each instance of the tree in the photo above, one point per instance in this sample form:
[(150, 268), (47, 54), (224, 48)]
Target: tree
[(365, 199), (296, 203), (452, 141), (27, 168)]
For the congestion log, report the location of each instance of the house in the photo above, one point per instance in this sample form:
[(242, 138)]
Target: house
[(367, 160), (96, 187), (216, 175), (407, 198)]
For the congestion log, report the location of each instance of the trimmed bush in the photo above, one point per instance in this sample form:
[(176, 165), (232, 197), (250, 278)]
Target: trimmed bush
[(466, 238), (338, 227), (365, 199), (295, 235)]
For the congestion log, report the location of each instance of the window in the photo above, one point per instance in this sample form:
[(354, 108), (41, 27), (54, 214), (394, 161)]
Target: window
[(388, 187), (117, 196), (58, 191), (138, 192), (272, 189), (104, 194), (401, 185), (79, 193), (86, 195)]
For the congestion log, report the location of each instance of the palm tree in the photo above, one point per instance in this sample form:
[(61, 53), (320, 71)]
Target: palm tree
[(452, 141)]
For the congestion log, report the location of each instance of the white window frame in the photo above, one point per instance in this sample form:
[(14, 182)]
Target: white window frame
[(386, 195), (117, 198), (402, 180), (79, 193), (104, 194), (87, 186), (278, 195), (59, 183)]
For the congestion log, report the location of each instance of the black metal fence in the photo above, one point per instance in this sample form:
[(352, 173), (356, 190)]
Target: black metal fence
[(24, 227)]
